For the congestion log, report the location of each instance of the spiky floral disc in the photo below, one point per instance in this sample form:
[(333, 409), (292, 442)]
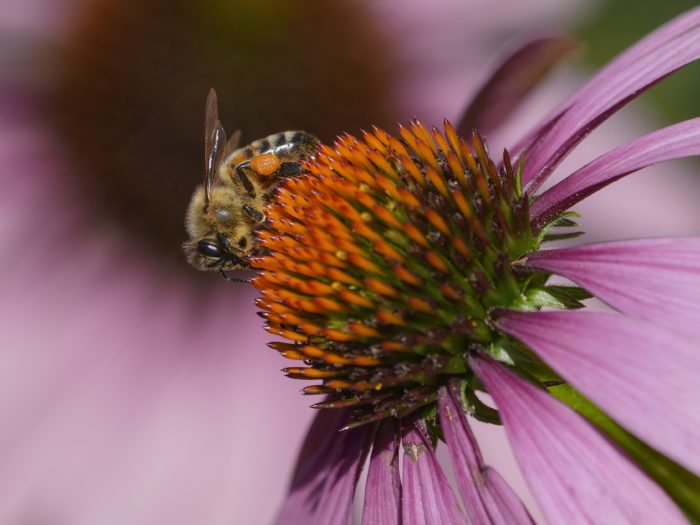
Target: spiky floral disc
[(386, 261)]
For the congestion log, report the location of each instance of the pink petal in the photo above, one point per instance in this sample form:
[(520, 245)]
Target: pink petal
[(326, 473), (512, 80), (617, 66), (427, 496), (485, 502), (656, 279), (644, 375), (671, 47), (383, 487), (575, 473), (672, 142)]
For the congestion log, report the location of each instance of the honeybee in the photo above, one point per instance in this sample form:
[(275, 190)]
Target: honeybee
[(225, 212)]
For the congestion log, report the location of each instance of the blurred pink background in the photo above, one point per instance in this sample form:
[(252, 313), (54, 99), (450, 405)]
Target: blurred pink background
[(133, 391)]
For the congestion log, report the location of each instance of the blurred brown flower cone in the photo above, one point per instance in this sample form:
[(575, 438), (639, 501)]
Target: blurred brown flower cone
[(131, 80)]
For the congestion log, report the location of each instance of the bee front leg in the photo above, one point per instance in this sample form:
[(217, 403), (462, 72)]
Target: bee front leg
[(244, 178), (253, 214)]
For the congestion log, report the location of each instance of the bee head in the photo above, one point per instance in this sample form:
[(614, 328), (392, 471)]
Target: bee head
[(221, 234)]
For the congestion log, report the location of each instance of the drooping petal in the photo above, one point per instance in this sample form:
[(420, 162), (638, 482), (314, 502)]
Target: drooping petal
[(383, 487), (326, 473), (656, 279), (575, 473), (504, 505), (487, 497), (671, 47), (670, 30), (643, 375), (512, 80), (672, 142), (427, 496)]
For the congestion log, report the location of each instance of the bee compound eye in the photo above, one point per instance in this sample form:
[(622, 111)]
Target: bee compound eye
[(209, 248), (242, 243)]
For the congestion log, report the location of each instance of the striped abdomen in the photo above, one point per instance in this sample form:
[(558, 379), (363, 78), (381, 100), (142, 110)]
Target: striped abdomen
[(288, 146)]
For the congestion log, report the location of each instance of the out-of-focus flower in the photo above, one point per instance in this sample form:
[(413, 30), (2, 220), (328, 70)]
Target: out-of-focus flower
[(409, 277), (123, 395)]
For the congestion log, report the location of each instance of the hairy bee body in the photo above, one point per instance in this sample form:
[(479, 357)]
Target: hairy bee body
[(226, 211), (287, 146)]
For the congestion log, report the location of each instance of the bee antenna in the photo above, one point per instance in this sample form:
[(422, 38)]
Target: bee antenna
[(222, 272)]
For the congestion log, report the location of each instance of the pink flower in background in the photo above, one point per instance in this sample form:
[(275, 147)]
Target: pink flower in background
[(407, 274)]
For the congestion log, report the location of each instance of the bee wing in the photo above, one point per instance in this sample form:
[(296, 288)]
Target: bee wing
[(232, 144), (214, 143)]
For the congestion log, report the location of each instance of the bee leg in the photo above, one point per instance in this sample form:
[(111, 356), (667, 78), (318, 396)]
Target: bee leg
[(289, 169), (232, 279), (244, 178), (253, 214)]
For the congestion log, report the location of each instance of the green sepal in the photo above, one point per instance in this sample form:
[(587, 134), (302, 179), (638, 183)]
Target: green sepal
[(560, 297), (551, 237), (681, 485), (476, 408)]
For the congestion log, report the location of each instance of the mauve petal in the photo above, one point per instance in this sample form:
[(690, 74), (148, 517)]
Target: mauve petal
[(644, 375), (383, 487), (575, 473), (326, 473), (482, 502), (515, 76), (615, 67), (427, 496), (503, 505), (672, 142), (673, 46), (656, 279)]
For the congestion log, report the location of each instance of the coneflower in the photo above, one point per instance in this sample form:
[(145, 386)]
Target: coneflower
[(407, 273)]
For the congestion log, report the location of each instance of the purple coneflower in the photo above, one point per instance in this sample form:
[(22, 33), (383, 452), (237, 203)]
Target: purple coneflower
[(409, 275)]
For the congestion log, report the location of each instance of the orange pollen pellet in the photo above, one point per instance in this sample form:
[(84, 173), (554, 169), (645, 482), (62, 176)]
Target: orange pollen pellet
[(265, 164)]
